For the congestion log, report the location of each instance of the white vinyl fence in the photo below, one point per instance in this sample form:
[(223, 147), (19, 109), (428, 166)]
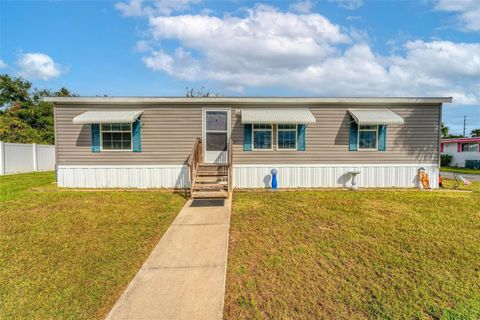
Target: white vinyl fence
[(20, 158)]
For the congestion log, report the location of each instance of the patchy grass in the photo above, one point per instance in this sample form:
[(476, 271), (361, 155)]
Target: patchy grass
[(70, 254), (355, 255), (460, 170), (450, 184)]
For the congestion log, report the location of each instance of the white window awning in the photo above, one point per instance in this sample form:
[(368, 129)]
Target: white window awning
[(277, 116), (375, 116), (124, 116)]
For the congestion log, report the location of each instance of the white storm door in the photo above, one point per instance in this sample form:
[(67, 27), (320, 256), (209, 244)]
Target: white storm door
[(216, 132)]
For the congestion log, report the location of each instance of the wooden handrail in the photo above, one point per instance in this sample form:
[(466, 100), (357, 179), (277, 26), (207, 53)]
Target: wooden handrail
[(230, 164), (193, 160), (195, 146)]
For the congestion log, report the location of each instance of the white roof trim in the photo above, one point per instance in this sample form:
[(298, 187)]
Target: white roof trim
[(124, 116), (375, 116), (277, 116), (248, 100)]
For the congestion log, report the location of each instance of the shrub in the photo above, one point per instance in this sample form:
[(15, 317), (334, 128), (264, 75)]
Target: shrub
[(445, 160)]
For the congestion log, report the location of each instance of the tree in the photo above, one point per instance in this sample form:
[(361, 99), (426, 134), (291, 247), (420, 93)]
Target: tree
[(475, 133), (19, 101), (15, 130), (14, 90), (444, 129), (199, 93)]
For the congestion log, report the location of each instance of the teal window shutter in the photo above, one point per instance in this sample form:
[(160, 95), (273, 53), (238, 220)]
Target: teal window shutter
[(301, 128), (382, 138), (247, 137), (137, 135), (95, 137), (353, 137)]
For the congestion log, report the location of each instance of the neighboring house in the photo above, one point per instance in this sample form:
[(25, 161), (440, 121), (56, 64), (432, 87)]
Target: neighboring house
[(465, 152), (313, 142)]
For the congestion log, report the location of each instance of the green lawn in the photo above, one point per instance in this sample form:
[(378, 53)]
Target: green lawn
[(354, 255), (460, 170), (69, 254)]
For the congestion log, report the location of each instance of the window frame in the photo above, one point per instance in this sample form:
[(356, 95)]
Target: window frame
[(278, 138), (271, 136), (116, 150), (376, 138), (470, 144)]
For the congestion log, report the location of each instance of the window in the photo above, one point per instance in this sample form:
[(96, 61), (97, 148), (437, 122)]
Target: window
[(287, 137), (367, 137), (469, 147), (116, 136), (262, 137)]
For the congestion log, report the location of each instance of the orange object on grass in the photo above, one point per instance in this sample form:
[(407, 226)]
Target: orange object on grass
[(424, 180)]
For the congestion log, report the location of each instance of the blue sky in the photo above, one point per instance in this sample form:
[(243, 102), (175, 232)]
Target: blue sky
[(297, 48)]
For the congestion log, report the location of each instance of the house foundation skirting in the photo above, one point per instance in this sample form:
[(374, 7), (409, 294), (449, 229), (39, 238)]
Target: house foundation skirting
[(247, 176), (334, 176), (123, 176)]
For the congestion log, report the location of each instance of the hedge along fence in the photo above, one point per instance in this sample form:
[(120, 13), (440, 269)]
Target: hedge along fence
[(22, 158)]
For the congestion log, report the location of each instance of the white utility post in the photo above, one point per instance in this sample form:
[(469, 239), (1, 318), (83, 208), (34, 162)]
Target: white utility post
[(35, 163)]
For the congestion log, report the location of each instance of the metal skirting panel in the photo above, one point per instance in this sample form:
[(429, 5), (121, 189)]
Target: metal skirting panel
[(247, 176), (123, 177), (334, 176)]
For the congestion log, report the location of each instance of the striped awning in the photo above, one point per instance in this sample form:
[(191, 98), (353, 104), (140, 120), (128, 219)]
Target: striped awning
[(124, 116), (375, 116), (277, 116)]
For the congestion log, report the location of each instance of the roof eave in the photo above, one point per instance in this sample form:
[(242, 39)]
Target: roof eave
[(248, 100), (456, 140)]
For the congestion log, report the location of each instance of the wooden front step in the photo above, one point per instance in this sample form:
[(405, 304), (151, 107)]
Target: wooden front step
[(209, 186), (211, 174), (212, 167), (210, 179), (209, 194)]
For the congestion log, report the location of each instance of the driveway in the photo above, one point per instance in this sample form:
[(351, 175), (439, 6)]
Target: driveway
[(184, 276), (469, 176)]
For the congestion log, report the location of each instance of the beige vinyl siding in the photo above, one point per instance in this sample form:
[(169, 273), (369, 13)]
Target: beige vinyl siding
[(168, 133), (327, 141)]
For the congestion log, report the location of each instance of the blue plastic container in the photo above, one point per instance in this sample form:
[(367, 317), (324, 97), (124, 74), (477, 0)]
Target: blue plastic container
[(274, 179)]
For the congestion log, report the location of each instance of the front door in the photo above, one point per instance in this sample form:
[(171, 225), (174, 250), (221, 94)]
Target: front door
[(216, 132)]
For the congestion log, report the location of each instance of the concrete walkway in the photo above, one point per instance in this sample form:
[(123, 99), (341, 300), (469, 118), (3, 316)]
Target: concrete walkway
[(184, 276)]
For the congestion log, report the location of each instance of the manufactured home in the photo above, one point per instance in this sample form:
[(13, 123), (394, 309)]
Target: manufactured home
[(210, 145), (465, 152)]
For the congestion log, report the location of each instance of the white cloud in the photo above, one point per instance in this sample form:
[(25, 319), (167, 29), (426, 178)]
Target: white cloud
[(38, 66), (137, 8), (468, 12), (142, 46), (349, 4), (265, 38), (308, 53), (302, 6), (133, 8), (160, 61), (2, 64)]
